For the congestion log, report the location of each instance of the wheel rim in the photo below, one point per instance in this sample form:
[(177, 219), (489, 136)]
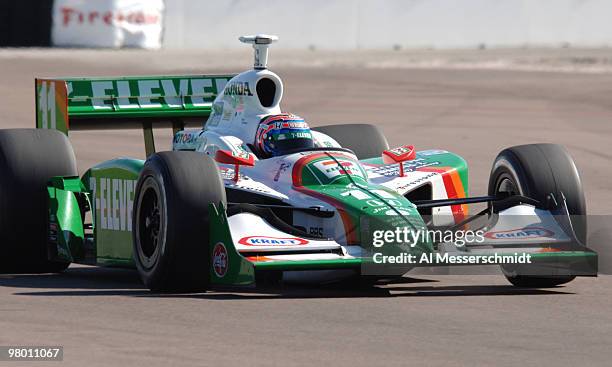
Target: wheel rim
[(505, 185), (149, 223)]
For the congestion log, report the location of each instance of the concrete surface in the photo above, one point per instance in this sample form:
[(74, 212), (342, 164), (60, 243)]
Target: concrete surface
[(105, 317)]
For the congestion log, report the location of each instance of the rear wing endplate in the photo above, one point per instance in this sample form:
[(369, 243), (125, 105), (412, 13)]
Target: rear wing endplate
[(126, 103)]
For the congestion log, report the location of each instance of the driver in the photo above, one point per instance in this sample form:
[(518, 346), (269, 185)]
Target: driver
[(279, 134)]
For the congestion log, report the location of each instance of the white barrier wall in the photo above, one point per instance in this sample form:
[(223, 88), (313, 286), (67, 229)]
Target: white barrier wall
[(107, 23), (352, 24)]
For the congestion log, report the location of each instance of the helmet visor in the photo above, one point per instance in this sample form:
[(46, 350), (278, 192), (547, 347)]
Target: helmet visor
[(293, 140)]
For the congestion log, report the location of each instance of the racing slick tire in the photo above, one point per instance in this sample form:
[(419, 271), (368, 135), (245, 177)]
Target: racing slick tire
[(28, 159), (536, 171), (171, 220), (367, 141)]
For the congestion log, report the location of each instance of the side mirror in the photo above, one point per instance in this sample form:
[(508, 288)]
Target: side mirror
[(399, 155), (236, 158)]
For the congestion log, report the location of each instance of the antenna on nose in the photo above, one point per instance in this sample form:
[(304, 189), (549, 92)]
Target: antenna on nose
[(260, 43)]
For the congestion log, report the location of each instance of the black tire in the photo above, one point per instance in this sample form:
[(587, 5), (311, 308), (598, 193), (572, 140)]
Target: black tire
[(171, 248), (367, 141), (28, 159), (536, 171)]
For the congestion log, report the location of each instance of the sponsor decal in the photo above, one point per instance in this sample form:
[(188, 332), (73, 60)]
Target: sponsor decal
[(237, 158), (272, 241), (418, 181), (226, 173), (339, 167), (255, 187), (53, 229), (392, 212), (409, 166), (220, 261), (293, 124), (400, 150), (229, 173), (52, 105), (215, 116), (245, 183), (522, 233), (282, 167), (186, 138), (382, 201), (107, 23), (399, 154), (241, 153), (145, 93), (227, 115), (108, 17), (321, 169), (237, 89), (427, 153), (114, 202)]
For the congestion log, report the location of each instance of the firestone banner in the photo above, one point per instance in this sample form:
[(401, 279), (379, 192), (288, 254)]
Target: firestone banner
[(108, 23)]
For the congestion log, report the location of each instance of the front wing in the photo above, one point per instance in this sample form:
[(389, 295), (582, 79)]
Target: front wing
[(245, 244)]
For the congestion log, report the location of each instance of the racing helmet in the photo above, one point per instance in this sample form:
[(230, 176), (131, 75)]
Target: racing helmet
[(279, 134)]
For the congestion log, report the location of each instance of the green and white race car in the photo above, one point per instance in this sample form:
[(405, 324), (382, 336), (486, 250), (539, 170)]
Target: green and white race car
[(213, 212)]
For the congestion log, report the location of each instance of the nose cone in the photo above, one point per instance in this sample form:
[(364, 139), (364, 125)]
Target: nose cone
[(366, 209)]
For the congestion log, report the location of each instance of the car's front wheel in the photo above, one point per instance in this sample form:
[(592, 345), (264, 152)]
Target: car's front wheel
[(171, 220), (544, 172)]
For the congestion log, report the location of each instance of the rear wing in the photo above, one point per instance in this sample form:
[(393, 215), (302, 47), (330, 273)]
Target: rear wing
[(126, 103)]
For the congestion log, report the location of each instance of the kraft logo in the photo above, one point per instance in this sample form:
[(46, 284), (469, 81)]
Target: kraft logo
[(523, 233), (272, 241)]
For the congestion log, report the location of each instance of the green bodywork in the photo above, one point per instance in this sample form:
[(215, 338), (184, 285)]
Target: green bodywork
[(112, 185), (239, 270), (443, 159), (66, 230), (143, 96), (365, 207), (107, 191), (98, 103)]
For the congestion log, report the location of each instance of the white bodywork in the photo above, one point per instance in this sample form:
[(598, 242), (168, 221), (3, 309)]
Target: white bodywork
[(232, 125)]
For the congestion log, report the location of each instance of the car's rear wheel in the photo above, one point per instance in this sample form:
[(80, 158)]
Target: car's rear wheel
[(544, 172), (171, 220), (367, 141), (28, 159)]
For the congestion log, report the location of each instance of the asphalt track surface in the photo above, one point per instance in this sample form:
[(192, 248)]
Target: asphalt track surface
[(104, 317)]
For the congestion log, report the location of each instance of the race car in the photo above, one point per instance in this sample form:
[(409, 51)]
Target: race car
[(234, 204)]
